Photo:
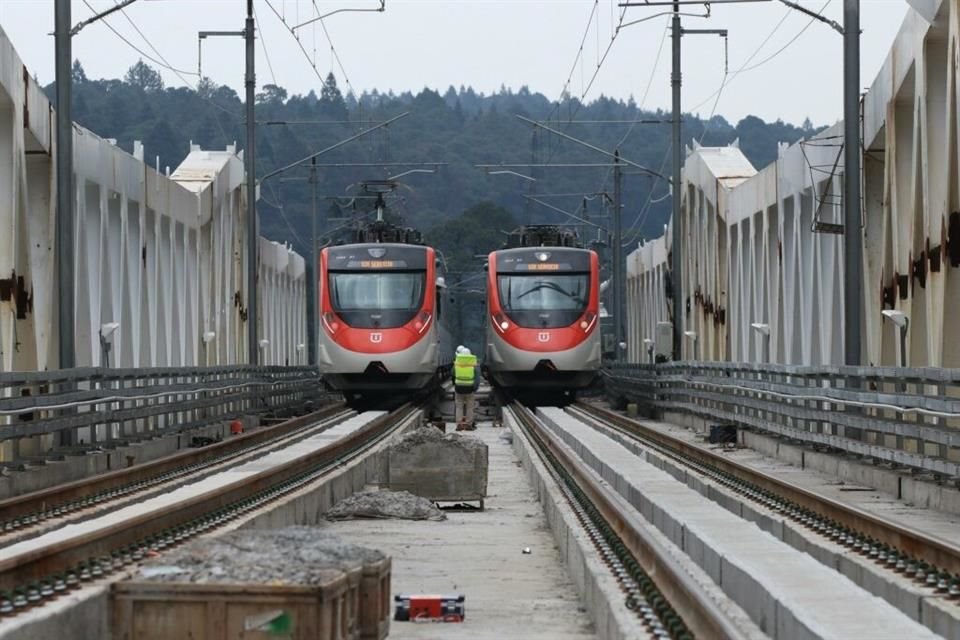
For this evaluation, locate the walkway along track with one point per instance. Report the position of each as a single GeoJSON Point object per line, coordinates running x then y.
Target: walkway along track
{"type": "Point", "coordinates": [655, 585]}
{"type": "Point", "coordinates": [928, 560]}
{"type": "Point", "coordinates": [64, 502]}
{"type": "Point", "coordinates": [28, 578]}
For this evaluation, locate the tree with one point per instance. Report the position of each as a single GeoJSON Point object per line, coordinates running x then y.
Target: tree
{"type": "Point", "coordinates": [331, 100]}
{"type": "Point", "coordinates": [206, 88]}
{"type": "Point", "coordinates": [144, 77]}
{"type": "Point", "coordinates": [272, 94]}
{"type": "Point", "coordinates": [77, 73]}
{"type": "Point", "coordinates": [162, 141]}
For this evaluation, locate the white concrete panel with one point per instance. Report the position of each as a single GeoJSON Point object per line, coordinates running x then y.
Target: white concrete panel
{"type": "Point", "coordinates": [163, 256]}
{"type": "Point", "coordinates": [753, 254]}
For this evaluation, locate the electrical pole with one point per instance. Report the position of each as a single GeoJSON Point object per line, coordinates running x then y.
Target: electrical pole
{"type": "Point", "coordinates": [677, 239]}
{"type": "Point", "coordinates": [676, 82]}
{"type": "Point", "coordinates": [313, 271]}
{"type": "Point", "coordinates": [852, 239]}
{"type": "Point", "coordinates": [618, 284]}
{"type": "Point", "coordinates": [65, 192]}
{"type": "Point", "coordinates": [249, 156]}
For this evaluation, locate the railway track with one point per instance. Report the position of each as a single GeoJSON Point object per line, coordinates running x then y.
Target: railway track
{"type": "Point", "coordinates": [731, 579]}
{"type": "Point", "coordinates": [654, 586]}
{"type": "Point", "coordinates": [926, 559]}
{"type": "Point", "coordinates": [36, 512]}
{"type": "Point", "coordinates": [42, 568]}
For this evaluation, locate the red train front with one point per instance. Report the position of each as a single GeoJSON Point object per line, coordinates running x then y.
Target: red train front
{"type": "Point", "coordinates": [543, 333]}
{"type": "Point", "coordinates": [382, 331]}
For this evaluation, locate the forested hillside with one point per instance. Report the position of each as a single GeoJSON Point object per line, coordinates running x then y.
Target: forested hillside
{"type": "Point", "coordinates": [458, 127]}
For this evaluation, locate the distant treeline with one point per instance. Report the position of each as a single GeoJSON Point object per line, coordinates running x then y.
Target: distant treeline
{"type": "Point", "coordinates": [458, 127]}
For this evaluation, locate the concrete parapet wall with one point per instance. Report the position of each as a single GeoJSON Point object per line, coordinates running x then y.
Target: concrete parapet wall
{"type": "Point", "coordinates": [758, 246]}
{"type": "Point", "coordinates": [161, 254]}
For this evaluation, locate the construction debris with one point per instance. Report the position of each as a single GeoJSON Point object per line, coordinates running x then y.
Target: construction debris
{"type": "Point", "coordinates": [400, 505]}
{"type": "Point", "coordinates": [423, 435]}
{"type": "Point", "coordinates": [291, 556]}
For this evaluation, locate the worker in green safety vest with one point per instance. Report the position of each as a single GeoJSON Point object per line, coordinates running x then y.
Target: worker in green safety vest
{"type": "Point", "coordinates": [465, 383]}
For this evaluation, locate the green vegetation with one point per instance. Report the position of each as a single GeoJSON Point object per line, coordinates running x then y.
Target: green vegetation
{"type": "Point", "coordinates": [460, 128]}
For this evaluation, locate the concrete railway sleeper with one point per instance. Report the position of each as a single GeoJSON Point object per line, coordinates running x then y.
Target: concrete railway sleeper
{"type": "Point", "coordinates": [653, 587]}
{"type": "Point", "coordinates": [927, 560]}
{"type": "Point", "coordinates": [786, 591]}
{"type": "Point", "coordinates": [25, 514]}
{"type": "Point", "coordinates": [908, 557]}
{"type": "Point", "coordinates": [34, 576]}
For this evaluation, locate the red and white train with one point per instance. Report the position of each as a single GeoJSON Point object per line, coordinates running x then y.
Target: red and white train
{"type": "Point", "coordinates": [383, 333]}
{"type": "Point", "coordinates": [543, 325]}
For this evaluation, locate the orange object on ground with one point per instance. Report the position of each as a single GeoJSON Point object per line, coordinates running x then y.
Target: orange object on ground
{"type": "Point", "coordinates": [236, 427]}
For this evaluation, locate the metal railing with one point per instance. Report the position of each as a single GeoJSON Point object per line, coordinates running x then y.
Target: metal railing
{"type": "Point", "coordinates": [902, 416]}
{"type": "Point", "coordinates": [89, 407]}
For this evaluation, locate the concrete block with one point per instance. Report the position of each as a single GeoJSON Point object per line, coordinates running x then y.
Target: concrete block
{"type": "Point", "coordinates": [939, 614]}
{"type": "Point", "coordinates": [749, 594]}
{"type": "Point", "coordinates": [436, 466]}
{"type": "Point", "coordinates": [702, 554]}
{"type": "Point", "coordinates": [729, 501]}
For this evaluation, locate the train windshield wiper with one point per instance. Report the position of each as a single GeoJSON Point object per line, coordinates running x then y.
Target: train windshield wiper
{"type": "Point", "coordinates": [554, 287]}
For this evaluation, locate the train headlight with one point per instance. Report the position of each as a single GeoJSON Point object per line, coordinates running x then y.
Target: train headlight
{"type": "Point", "coordinates": [500, 322]}
{"type": "Point", "coordinates": [504, 325]}
{"type": "Point", "coordinates": [330, 322]}
{"type": "Point", "coordinates": [422, 322]}
{"type": "Point", "coordinates": [589, 318]}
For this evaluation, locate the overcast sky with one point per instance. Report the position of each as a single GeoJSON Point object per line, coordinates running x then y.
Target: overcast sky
{"type": "Point", "coordinates": [486, 44]}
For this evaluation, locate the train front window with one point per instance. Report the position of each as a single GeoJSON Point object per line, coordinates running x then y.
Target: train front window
{"type": "Point", "coordinates": [377, 299]}
{"type": "Point", "coordinates": [544, 301]}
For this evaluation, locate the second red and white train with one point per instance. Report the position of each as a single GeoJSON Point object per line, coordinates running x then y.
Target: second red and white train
{"type": "Point", "coordinates": [543, 333]}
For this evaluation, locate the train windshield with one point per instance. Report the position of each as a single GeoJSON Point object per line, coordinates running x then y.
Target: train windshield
{"type": "Point", "coordinates": [377, 299]}
{"type": "Point", "coordinates": [544, 301]}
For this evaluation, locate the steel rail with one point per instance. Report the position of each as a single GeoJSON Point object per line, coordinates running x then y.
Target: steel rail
{"type": "Point", "coordinates": [701, 614]}
{"type": "Point", "coordinates": [42, 503]}
{"type": "Point", "coordinates": [940, 554]}
{"type": "Point", "coordinates": [46, 562]}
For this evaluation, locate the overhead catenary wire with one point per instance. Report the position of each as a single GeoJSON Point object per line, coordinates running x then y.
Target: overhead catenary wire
{"type": "Point", "coordinates": [596, 71]}
{"type": "Point", "coordinates": [336, 54]}
{"type": "Point", "coordinates": [640, 107]}
{"type": "Point", "coordinates": [278, 205]}
{"type": "Point", "coordinates": [576, 60]}
{"type": "Point", "coordinates": [727, 76]}
{"type": "Point", "coordinates": [637, 224]}
{"type": "Point", "coordinates": [163, 63]}
{"type": "Point", "coordinates": [160, 62]}
{"type": "Point", "coordinates": [744, 69]}
{"type": "Point", "coordinates": [306, 54]}
{"type": "Point", "coordinates": [641, 217]}
{"type": "Point", "coordinates": [266, 50]}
